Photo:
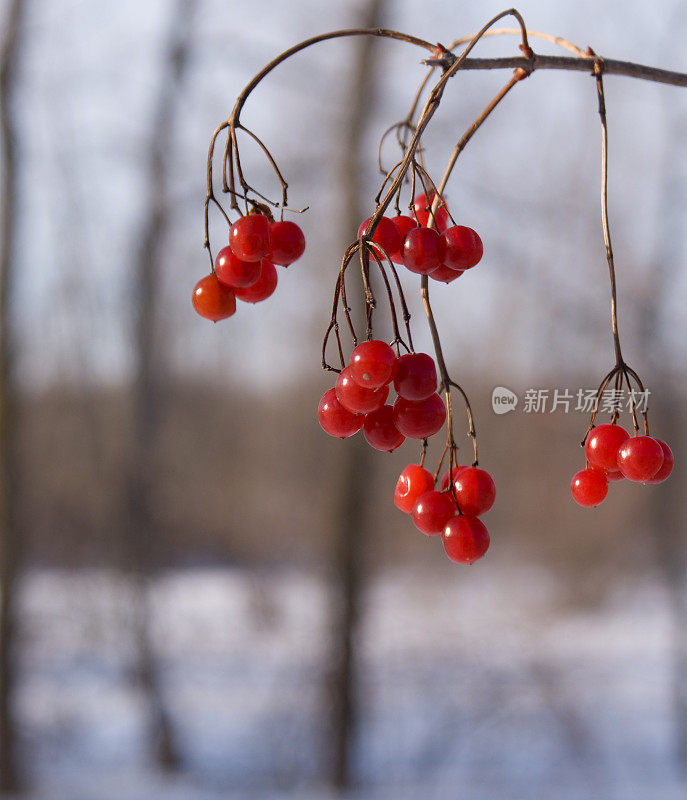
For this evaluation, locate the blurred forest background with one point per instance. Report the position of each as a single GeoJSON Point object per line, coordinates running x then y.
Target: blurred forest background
{"type": "Point", "coordinates": [205, 596]}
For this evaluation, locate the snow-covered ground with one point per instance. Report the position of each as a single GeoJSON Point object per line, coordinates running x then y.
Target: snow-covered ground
{"type": "Point", "coordinates": [477, 686]}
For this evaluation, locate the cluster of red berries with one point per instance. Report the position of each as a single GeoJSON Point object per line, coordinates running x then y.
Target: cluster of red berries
{"type": "Point", "coordinates": [245, 268]}
{"type": "Point", "coordinates": [612, 454]}
{"type": "Point", "coordinates": [452, 512]}
{"type": "Point", "coordinates": [443, 252]}
{"type": "Point", "coordinates": [359, 398]}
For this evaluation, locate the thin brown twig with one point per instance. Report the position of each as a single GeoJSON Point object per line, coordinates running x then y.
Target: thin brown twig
{"type": "Point", "coordinates": [447, 382]}
{"type": "Point", "coordinates": [598, 70]}
{"type": "Point", "coordinates": [621, 370]}
{"type": "Point", "coordinates": [558, 40]}
{"type": "Point", "coordinates": [398, 339]}
{"type": "Point", "coordinates": [270, 158]}
{"type": "Point", "coordinates": [517, 77]}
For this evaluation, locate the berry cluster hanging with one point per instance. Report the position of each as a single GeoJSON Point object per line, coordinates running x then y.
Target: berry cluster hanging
{"type": "Point", "coordinates": [424, 238]}
{"type": "Point", "coordinates": [244, 269]}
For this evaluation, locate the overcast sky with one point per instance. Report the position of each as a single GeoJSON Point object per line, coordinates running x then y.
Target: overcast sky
{"type": "Point", "coordinates": [529, 183]}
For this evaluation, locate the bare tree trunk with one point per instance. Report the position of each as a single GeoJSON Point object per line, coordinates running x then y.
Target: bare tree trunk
{"type": "Point", "coordinates": [9, 533]}
{"type": "Point", "coordinates": [147, 395]}
{"type": "Point", "coordinates": [355, 466]}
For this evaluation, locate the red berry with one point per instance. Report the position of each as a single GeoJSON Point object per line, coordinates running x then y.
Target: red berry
{"type": "Point", "coordinates": [602, 445]}
{"type": "Point", "coordinates": [386, 234]}
{"type": "Point", "coordinates": [380, 431]}
{"type": "Point", "coordinates": [456, 470]}
{"type": "Point", "coordinates": [445, 274]}
{"type": "Point", "coordinates": [249, 237]}
{"type": "Point", "coordinates": [335, 419]}
{"type": "Point", "coordinates": [423, 250]}
{"type": "Point", "coordinates": [589, 487]}
{"type": "Point", "coordinates": [212, 299]}
{"type": "Point", "coordinates": [263, 288]}
{"type": "Point", "coordinates": [475, 491]}
{"type": "Point", "coordinates": [465, 539]}
{"type": "Point", "coordinates": [236, 273]}
{"type": "Point", "coordinates": [413, 482]}
{"type": "Point", "coordinates": [404, 224]}
{"type": "Point", "coordinates": [667, 465]}
{"type": "Point", "coordinates": [287, 242]}
{"type": "Point", "coordinates": [416, 376]}
{"type": "Point", "coordinates": [614, 475]}
{"type": "Point", "coordinates": [640, 458]}
{"type": "Point", "coordinates": [421, 419]}
{"type": "Point", "coordinates": [463, 247]}
{"type": "Point", "coordinates": [356, 398]}
{"type": "Point", "coordinates": [422, 207]}
{"type": "Point", "coordinates": [432, 511]}
{"type": "Point", "coordinates": [373, 364]}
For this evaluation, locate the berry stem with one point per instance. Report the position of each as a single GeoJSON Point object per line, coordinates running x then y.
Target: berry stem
{"type": "Point", "coordinates": [270, 158]}
{"type": "Point", "coordinates": [423, 454]}
{"type": "Point", "coordinates": [446, 383]}
{"type": "Point", "coordinates": [517, 77]}
{"type": "Point", "coordinates": [392, 305]}
{"type": "Point", "coordinates": [598, 70]}
{"type": "Point", "coordinates": [621, 370]}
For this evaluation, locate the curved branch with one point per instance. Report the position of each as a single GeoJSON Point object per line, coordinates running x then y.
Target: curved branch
{"type": "Point", "coordinates": [559, 40]}
{"type": "Point", "coordinates": [383, 33]}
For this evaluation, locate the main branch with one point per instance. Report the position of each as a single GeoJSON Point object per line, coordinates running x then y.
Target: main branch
{"type": "Point", "coordinates": [579, 64]}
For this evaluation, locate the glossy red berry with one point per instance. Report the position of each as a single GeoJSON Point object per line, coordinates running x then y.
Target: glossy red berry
{"type": "Point", "coordinates": [602, 445]}
{"type": "Point", "coordinates": [416, 376]}
{"type": "Point", "coordinates": [249, 237]}
{"type": "Point", "coordinates": [212, 299]}
{"type": "Point", "coordinates": [412, 483]}
{"type": "Point", "coordinates": [380, 430]}
{"type": "Point", "coordinates": [373, 364]}
{"type": "Point", "coordinates": [387, 235]}
{"type": "Point", "coordinates": [589, 487]}
{"type": "Point", "coordinates": [404, 224]}
{"type": "Point", "coordinates": [465, 539]}
{"type": "Point", "coordinates": [445, 274]}
{"type": "Point", "coordinates": [421, 419]}
{"type": "Point", "coordinates": [456, 470]}
{"type": "Point", "coordinates": [463, 247]}
{"type": "Point", "coordinates": [423, 250]}
{"type": "Point", "coordinates": [356, 398]}
{"type": "Point", "coordinates": [335, 419]}
{"type": "Point", "coordinates": [422, 209]}
{"type": "Point", "coordinates": [432, 511]}
{"type": "Point", "coordinates": [287, 242]}
{"type": "Point", "coordinates": [614, 475]}
{"type": "Point", "coordinates": [475, 491]}
{"type": "Point", "coordinates": [233, 272]}
{"type": "Point", "coordinates": [666, 467]}
{"type": "Point", "coordinates": [640, 458]}
{"type": "Point", "coordinates": [264, 286]}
